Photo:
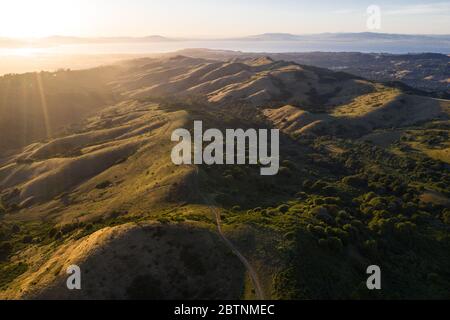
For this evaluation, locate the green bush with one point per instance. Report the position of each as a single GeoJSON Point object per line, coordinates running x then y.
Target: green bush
{"type": "Point", "coordinates": [405, 228]}
{"type": "Point", "coordinates": [370, 247]}
{"type": "Point", "coordinates": [283, 208]}
{"type": "Point", "coordinates": [335, 244]}
{"type": "Point", "coordinates": [103, 185]}
{"type": "Point", "coordinates": [355, 181]}
{"type": "Point", "coordinates": [27, 239]}
{"type": "Point", "coordinates": [5, 250]}
{"type": "Point", "coordinates": [164, 220]}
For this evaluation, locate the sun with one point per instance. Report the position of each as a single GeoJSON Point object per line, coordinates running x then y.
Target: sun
{"type": "Point", "coordinates": [31, 18]}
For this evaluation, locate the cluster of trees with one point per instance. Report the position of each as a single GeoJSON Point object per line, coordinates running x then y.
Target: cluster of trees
{"type": "Point", "coordinates": [350, 209]}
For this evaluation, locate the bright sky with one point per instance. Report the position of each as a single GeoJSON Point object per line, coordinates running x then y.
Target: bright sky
{"type": "Point", "coordinates": [182, 18]}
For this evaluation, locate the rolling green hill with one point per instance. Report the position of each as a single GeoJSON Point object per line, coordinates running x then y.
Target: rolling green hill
{"type": "Point", "coordinates": [363, 180]}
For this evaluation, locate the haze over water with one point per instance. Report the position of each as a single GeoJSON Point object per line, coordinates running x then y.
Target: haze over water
{"type": "Point", "coordinates": [17, 60]}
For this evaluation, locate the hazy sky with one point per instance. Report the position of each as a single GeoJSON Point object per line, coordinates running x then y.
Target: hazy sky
{"type": "Point", "coordinates": [36, 18]}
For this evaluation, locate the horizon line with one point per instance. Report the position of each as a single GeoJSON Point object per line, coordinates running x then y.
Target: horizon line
{"type": "Point", "coordinates": [206, 37]}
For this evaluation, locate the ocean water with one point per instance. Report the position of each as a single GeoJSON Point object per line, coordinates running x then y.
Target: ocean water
{"type": "Point", "coordinates": [247, 46]}
{"type": "Point", "coordinates": [80, 56]}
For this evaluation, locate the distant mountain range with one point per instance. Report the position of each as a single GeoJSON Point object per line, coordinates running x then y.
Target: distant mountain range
{"type": "Point", "coordinates": [362, 36]}
{"type": "Point", "coordinates": [284, 37]}
{"type": "Point", "coordinates": [428, 72]}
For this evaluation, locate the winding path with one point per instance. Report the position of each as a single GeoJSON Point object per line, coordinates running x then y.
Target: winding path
{"type": "Point", "coordinates": [251, 271]}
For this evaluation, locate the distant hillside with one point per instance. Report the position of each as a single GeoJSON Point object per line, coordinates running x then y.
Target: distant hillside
{"type": "Point", "coordinates": [428, 72]}
{"type": "Point", "coordinates": [361, 36]}
{"type": "Point", "coordinates": [53, 102]}
{"type": "Point", "coordinates": [259, 81]}
{"type": "Point", "coordinates": [365, 41]}
{"type": "Point", "coordinates": [36, 106]}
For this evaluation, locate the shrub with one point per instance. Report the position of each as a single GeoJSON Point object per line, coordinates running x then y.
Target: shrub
{"type": "Point", "coordinates": [164, 220]}
{"type": "Point", "coordinates": [5, 250]}
{"type": "Point", "coordinates": [341, 234]}
{"type": "Point", "coordinates": [103, 185]}
{"type": "Point", "coordinates": [301, 195]}
{"type": "Point", "coordinates": [319, 185]}
{"type": "Point", "coordinates": [370, 247]}
{"type": "Point", "coordinates": [335, 244]}
{"type": "Point", "coordinates": [332, 243]}
{"type": "Point", "coordinates": [332, 200]}
{"type": "Point", "coordinates": [351, 230]}
{"type": "Point", "coordinates": [355, 181]}
{"type": "Point", "coordinates": [307, 184]}
{"type": "Point", "coordinates": [322, 213]}
{"type": "Point", "coordinates": [283, 208]}
{"type": "Point", "coordinates": [377, 203]}
{"type": "Point", "coordinates": [27, 239]}
{"type": "Point", "coordinates": [357, 224]}
{"type": "Point", "coordinates": [290, 236]}
{"type": "Point", "coordinates": [369, 196]}
{"type": "Point", "coordinates": [405, 228]}
{"type": "Point", "coordinates": [343, 214]}
{"type": "Point", "coordinates": [318, 230]}
{"type": "Point", "coordinates": [52, 232]}
{"type": "Point", "coordinates": [15, 229]}
{"type": "Point", "coordinates": [68, 228]}
{"type": "Point", "coordinates": [319, 201]}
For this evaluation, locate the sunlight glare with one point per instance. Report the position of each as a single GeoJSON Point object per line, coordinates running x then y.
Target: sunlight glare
{"type": "Point", "coordinates": [30, 19]}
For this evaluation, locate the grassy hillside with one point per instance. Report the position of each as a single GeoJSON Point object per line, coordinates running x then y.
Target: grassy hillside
{"type": "Point", "coordinates": [259, 81]}
{"type": "Point", "coordinates": [363, 180]}
{"type": "Point", "coordinates": [37, 106]}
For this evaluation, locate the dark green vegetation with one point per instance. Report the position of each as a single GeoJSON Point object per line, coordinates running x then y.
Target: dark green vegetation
{"type": "Point", "coordinates": [337, 207]}
{"type": "Point", "coordinates": [361, 207]}
{"type": "Point", "coordinates": [13, 239]}
{"type": "Point", "coordinates": [370, 211]}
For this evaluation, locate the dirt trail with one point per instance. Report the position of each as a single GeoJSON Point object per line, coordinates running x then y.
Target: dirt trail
{"type": "Point", "coordinates": [251, 271]}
